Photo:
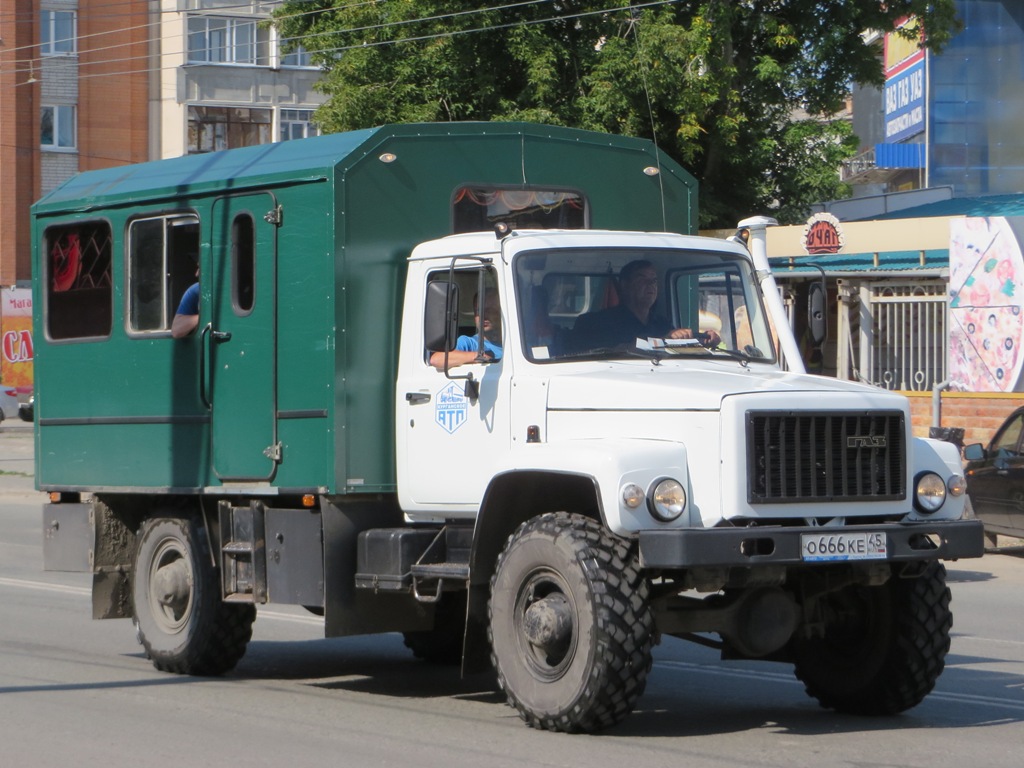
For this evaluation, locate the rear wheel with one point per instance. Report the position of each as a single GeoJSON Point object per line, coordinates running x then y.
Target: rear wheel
{"type": "Point", "coordinates": [570, 624]}
{"type": "Point", "coordinates": [883, 647]}
{"type": "Point", "coordinates": [179, 616]}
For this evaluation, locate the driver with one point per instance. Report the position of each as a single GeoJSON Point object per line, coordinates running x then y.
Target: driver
{"type": "Point", "coordinates": [633, 317]}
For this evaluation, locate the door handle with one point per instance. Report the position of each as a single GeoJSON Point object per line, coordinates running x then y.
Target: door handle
{"type": "Point", "coordinates": [416, 398]}
{"type": "Point", "coordinates": [220, 335]}
{"type": "Point", "coordinates": [203, 384]}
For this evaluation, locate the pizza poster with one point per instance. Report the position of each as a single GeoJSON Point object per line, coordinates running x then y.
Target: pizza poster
{"type": "Point", "coordinates": [986, 304]}
{"type": "Point", "coordinates": [16, 335]}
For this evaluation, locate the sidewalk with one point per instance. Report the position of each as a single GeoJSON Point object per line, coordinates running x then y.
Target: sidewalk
{"type": "Point", "coordinates": [17, 461]}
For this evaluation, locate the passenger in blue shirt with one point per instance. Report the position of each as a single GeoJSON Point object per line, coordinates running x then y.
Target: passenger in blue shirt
{"type": "Point", "coordinates": [187, 317]}
{"type": "Point", "coordinates": [467, 348]}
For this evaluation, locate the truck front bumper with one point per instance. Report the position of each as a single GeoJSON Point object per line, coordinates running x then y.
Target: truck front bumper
{"type": "Point", "coordinates": [781, 545]}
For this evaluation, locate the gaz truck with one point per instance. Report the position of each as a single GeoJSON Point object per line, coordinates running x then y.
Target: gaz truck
{"type": "Point", "coordinates": [549, 507]}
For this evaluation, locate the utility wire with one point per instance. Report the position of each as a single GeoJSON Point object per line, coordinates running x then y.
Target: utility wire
{"type": "Point", "coordinates": [368, 28]}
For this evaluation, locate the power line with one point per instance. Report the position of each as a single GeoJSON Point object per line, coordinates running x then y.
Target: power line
{"type": "Point", "coordinates": [341, 49]}
{"type": "Point", "coordinates": [26, 17]}
{"type": "Point", "coordinates": [217, 13]}
{"type": "Point", "coordinates": [120, 30]}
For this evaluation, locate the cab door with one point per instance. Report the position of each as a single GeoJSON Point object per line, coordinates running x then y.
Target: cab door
{"type": "Point", "coordinates": [451, 438]}
{"type": "Point", "coordinates": [241, 340]}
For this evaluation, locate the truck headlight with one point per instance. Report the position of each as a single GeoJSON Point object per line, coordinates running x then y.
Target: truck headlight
{"type": "Point", "coordinates": [929, 492]}
{"type": "Point", "coordinates": [666, 499]}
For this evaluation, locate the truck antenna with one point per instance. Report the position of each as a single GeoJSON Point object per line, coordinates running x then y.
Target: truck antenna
{"type": "Point", "coordinates": [634, 23]}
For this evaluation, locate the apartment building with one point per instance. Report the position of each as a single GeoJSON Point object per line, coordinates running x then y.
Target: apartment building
{"type": "Point", "coordinates": [97, 83]}
{"type": "Point", "coordinates": [224, 81]}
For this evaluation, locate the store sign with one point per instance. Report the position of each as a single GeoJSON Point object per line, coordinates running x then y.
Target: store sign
{"type": "Point", "coordinates": [904, 85]}
{"type": "Point", "coordinates": [16, 338]}
{"type": "Point", "coordinates": [823, 234]}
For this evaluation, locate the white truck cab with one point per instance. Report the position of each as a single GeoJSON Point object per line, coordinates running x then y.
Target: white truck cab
{"type": "Point", "coordinates": [688, 459]}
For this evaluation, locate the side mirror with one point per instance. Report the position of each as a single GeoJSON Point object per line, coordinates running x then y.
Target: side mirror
{"type": "Point", "coordinates": [974, 452]}
{"type": "Point", "coordinates": [441, 316]}
{"type": "Point", "coordinates": [817, 323]}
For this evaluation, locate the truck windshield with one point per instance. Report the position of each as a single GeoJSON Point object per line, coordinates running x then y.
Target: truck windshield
{"type": "Point", "coordinates": [596, 303]}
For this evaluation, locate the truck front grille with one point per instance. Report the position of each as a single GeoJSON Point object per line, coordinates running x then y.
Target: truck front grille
{"type": "Point", "coordinates": [809, 456]}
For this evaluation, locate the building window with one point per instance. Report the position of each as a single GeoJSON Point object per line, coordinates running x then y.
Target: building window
{"type": "Point", "coordinates": [211, 129]}
{"type": "Point", "coordinates": [219, 40]}
{"type": "Point", "coordinates": [57, 33]}
{"type": "Point", "coordinates": [299, 57]}
{"type": "Point", "coordinates": [297, 124]}
{"type": "Point", "coordinates": [79, 298]}
{"type": "Point", "coordinates": [57, 127]}
{"type": "Point", "coordinates": [163, 256]}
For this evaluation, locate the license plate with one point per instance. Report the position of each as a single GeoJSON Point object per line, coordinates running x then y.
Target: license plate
{"type": "Point", "coordinates": [862, 545]}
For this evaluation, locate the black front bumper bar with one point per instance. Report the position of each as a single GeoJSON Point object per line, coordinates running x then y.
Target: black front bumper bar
{"type": "Point", "coordinates": [781, 545]}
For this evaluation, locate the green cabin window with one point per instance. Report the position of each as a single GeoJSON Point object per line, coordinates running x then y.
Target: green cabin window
{"type": "Point", "coordinates": [79, 297]}
{"type": "Point", "coordinates": [478, 209]}
{"type": "Point", "coordinates": [243, 258]}
{"type": "Point", "coordinates": [163, 254]}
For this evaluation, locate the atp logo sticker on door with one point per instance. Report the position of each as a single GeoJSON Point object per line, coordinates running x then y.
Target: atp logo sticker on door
{"type": "Point", "coordinates": [451, 408]}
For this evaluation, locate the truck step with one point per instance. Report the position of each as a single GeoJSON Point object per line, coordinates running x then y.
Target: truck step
{"type": "Point", "coordinates": [440, 570]}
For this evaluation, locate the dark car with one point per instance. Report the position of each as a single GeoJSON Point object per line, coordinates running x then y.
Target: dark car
{"type": "Point", "coordinates": [26, 410]}
{"type": "Point", "coordinates": [995, 478]}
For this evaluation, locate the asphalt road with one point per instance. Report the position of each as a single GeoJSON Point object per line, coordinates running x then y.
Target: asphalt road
{"type": "Point", "coordinates": [77, 692]}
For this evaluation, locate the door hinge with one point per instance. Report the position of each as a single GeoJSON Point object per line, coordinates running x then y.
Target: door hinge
{"type": "Point", "coordinates": [274, 216]}
{"type": "Point", "coordinates": [273, 452]}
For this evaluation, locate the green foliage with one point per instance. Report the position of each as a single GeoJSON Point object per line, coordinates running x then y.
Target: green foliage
{"type": "Point", "coordinates": [724, 86]}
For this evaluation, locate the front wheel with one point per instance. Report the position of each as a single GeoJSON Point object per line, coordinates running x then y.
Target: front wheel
{"type": "Point", "coordinates": [570, 624]}
{"type": "Point", "coordinates": [882, 648]}
{"type": "Point", "coordinates": [179, 616]}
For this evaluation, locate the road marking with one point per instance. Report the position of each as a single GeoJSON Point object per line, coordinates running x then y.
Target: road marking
{"type": "Point", "coordinates": [45, 586]}
{"type": "Point", "coordinates": [678, 666]}
{"type": "Point", "coordinates": [789, 679]}
{"type": "Point", "coordinates": [67, 589]}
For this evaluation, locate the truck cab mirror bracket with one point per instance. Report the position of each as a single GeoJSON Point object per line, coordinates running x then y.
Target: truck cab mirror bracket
{"type": "Point", "coordinates": [817, 318]}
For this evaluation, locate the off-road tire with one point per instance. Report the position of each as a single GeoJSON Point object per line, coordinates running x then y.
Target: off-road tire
{"type": "Point", "coordinates": [883, 648]}
{"type": "Point", "coordinates": [443, 643]}
{"type": "Point", "coordinates": [591, 677]}
{"type": "Point", "coordinates": [179, 616]}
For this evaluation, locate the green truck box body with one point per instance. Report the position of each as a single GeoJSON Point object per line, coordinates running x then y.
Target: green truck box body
{"type": "Point", "coordinates": [301, 396]}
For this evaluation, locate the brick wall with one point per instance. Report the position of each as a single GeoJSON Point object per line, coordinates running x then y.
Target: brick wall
{"type": "Point", "coordinates": [978, 414]}
{"type": "Point", "coordinates": [19, 136]}
{"type": "Point", "coordinates": [113, 95]}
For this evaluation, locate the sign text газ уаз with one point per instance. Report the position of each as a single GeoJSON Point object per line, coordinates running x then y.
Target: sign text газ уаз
{"type": "Point", "coordinates": [904, 103]}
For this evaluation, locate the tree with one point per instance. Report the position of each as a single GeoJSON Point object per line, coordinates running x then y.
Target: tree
{"type": "Point", "coordinates": [718, 84]}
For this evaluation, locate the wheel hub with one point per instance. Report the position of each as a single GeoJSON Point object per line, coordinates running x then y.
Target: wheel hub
{"type": "Point", "coordinates": [547, 624]}
{"type": "Point", "coordinates": [172, 587]}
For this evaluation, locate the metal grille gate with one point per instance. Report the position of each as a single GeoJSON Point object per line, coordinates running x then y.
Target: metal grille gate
{"type": "Point", "coordinates": [894, 334]}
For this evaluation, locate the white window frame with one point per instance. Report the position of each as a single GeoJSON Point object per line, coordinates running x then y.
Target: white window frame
{"type": "Point", "coordinates": [201, 46]}
{"type": "Point", "coordinates": [60, 114]}
{"type": "Point", "coordinates": [48, 40]}
{"type": "Point", "coordinates": [299, 58]}
{"type": "Point", "coordinates": [289, 118]}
